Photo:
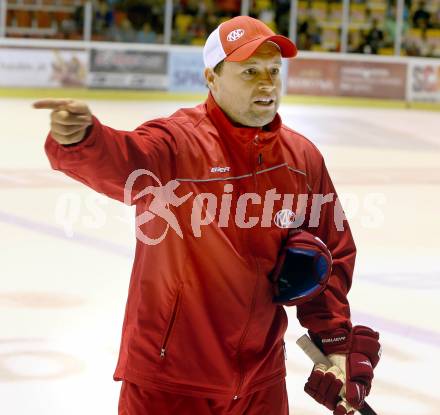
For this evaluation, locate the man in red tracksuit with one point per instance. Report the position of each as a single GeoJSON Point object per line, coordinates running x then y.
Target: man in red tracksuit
{"type": "Point", "coordinates": [213, 186]}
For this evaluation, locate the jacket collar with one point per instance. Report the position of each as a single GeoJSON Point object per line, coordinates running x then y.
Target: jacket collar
{"type": "Point", "coordinates": [240, 133]}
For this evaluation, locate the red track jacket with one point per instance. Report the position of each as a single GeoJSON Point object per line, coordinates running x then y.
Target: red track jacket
{"type": "Point", "coordinates": [199, 318]}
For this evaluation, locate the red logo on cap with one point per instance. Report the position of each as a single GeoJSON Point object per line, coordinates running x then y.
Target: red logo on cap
{"type": "Point", "coordinates": [235, 35]}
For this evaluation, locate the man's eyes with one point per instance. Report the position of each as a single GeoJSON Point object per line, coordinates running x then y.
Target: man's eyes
{"type": "Point", "coordinates": [253, 71]}
{"type": "Point", "coordinates": [250, 71]}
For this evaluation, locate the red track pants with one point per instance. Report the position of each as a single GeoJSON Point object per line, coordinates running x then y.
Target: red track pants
{"type": "Point", "coordinates": [134, 400]}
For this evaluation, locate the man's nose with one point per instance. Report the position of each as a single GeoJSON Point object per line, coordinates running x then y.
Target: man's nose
{"type": "Point", "coordinates": [267, 81]}
{"type": "Point", "coordinates": [267, 86]}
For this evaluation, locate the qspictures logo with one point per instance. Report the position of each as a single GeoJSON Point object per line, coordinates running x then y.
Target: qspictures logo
{"type": "Point", "coordinates": [208, 208]}
{"type": "Point", "coordinates": [191, 213]}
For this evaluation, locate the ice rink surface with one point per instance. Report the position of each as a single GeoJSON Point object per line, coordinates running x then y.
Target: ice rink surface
{"type": "Point", "coordinates": [66, 254]}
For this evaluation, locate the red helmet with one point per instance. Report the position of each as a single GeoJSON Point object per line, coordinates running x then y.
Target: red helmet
{"type": "Point", "coordinates": [303, 268]}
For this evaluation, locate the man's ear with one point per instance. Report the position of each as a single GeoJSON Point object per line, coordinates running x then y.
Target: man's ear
{"type": "Point", "coordinates": [210, 77]}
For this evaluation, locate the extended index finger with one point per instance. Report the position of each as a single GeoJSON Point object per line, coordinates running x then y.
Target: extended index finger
{"type": "Point", "coordinates": [51, 104]}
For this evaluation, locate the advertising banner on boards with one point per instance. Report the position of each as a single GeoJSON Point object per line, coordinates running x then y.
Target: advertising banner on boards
{"type": "Point", "coordinates": [128, 69]}
{"type": "Point", "coordinates": [42, 68]}
{"type": "Point", "coordinates": [367, 79]}
{"type": "Point", "coordinates": [186, 71]}
{"type": "Point", "coordinates": [424, 81]}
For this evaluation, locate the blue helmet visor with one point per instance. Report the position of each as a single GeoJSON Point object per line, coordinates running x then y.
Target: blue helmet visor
{"type": "Point", "coordinates": [302, 276]}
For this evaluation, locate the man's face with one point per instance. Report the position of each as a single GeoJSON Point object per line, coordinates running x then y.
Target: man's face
{"type": "Point", "coordinates": [249, 91]}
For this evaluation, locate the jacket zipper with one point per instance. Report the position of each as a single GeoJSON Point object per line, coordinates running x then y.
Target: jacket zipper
{"type": "Point", "coordinates": [243, 336]}
{"type": "Point", "coordinates": [170, 324]}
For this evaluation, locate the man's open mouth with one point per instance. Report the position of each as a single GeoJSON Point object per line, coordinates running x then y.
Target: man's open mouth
{"type": "Point", "coordinates": [266, 102]}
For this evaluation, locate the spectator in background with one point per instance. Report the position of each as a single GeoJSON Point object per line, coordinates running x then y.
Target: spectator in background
{"type": "Point", "coordinates": [427, 49]}
{"type": "Point", "coordinates": [411, 46]}
{"type": "Point", "coordinates": [124, 32]}
{"type": "Point", "coordinates": [103, 19]}
{"type": "Point", "coordinates": [421, 16]}
{"type": "Point", "coordinates": [198, 30]}
{"type": "Point", "coordinates": [391, 25]}
{"type": "Point", "coordinates": [138, 13]}
{"type": "Point", "coordinates": [143, 22]}
{"type": "Point", "coordinates": [282, 14]}
{"type": "Point", "coordinates": [420, 46]}
{"type": "Point", "coordinates": [181, 25]}
{"type": "Point", "coordinates": [193, 20]}
{"type": "Point", "coordinates": [78, 17]}
{"type": "Point", "coordinates": [146, 35]}
{"type": "Point", "coordinates": [309, 33]}
{"type": "Point", "coordinates": [374, 38]}
{"type": "Point", "coordinates": [68, 27]}
{"type": "Point", "coordinates": [303, 42]}
{"type": "Point", "coordinates": [363, 46]}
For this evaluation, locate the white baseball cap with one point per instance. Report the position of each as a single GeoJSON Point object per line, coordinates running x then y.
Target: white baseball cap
{"type": "Point", "coordinates": [237, 39]}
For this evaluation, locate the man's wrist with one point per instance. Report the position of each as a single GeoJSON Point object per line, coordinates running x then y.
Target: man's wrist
{"type": "Point", "coordinates": [86, 135]}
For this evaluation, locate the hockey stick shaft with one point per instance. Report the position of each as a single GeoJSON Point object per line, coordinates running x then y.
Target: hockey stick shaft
{"type": "Point", "coordinates": [311, 350]}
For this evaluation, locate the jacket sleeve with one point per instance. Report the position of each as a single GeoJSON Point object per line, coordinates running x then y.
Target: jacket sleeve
{"type": "Point", "coordinates": [106, 157]}
{"type": "Point", "coordinates": [330, 309]}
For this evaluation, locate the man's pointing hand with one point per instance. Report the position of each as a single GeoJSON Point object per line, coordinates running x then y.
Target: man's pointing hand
{"type": "Point", "coordinates": [69, 119]}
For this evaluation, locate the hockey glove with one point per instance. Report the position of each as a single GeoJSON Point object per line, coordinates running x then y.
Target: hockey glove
{"type": "Point", "coordinates": [343, 387]}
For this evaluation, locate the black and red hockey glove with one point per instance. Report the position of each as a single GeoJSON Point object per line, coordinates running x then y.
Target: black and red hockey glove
{"type": "Point", "coordinates": [354, 353]}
